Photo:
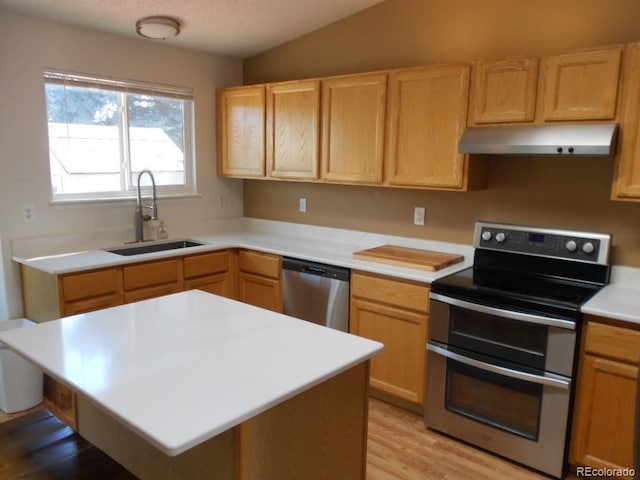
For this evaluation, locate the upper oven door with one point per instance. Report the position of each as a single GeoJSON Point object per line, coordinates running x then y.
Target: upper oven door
{"type": "Point", "coordinates": [534, 341]}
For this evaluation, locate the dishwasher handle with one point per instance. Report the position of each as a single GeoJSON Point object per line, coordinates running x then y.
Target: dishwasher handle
{"type": "Point", "coordinates": [315, 268]}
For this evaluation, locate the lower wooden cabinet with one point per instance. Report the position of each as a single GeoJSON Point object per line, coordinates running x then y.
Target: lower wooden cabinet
{"type": "Point", "coordinates": [604, 415]}
{"type": "Point", "coordinates": [394, 312]}
{"type": "Point", "coordinates": [212, 272]}
{"type": "Point", "coordinates": [152, 279]}
{"type": "Point", "coordinates": [259, 279]}
{"type": "Point", "coordinates": [88, 291]}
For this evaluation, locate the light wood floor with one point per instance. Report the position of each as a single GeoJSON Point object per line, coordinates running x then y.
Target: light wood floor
{"type": "Point", "coordinates": [401, 448]}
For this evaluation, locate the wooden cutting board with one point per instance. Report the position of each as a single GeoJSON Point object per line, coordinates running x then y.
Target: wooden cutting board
{"type": "Point", "coordinates": [409, 257]}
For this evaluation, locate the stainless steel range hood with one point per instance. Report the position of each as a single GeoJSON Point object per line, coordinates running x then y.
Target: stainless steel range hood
{"type": "Point", "coordinates": [582, 140]}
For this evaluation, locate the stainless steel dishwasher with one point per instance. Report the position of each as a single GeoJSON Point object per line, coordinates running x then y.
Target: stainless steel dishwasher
{"type": "Point", "coordinates": [316, 292]}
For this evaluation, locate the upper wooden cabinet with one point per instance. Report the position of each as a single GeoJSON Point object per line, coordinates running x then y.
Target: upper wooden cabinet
{"type": "Point", "coordinates": [353, 126]}
{"type": "Point", "coordinates": [576, 86]}
{"type": "Point", "coordinates": [427, 115]}
{"type": "Point", "coordinates": [504, 91]}
{"type": "Point", "coordinates": [400, 128]}
{"type": "Point", "coordinates": [626, 182]}
{"type": "Point", "coordinates": [293, 130]}
{"type": "Point", "coordinates": [241, 132]}
{"type": "Point", "coordinates": [582, 85]}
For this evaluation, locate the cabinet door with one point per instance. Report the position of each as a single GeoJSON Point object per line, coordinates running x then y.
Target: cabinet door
{"type": "Point", "coordinates": [428, 115]}
{"type": "Point", "coordinates": [241, 132]}
{"type": "Point", "coordinates": [210, 272]}
{"type": "Point", "coordinates": [259, 279]}
{"type": "Point", "coordinates": [504, 91]}
{"type": "Point", "coordinates": [219, 284]}
{"type": "Point", "coordinates": [626, 183]}
{"type": "Point", "coordinates": [582, 85]}
{"type": "Point", "coordinates": [89, 291]}
{"type": "Point", "coordinates": [394, 312]}
{"type": "Point", "coordinates": [152, 279]}
{"type": "Point", "coordinates": [293, 130]}
{"type": "Point", "coordinates": [260, 291]}
{"type": "Point", "coordinates": [353, 124]}
{"type": "Point", "coordinates": [399, 369]}
{"type": "Point", "coordinates": [605, 414]}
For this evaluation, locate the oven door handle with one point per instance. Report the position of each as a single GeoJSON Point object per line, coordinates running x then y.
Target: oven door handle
{"type": "Point", "coordinates": [499, 312]}
{"type": "Point", "coordinates": [547, 379]}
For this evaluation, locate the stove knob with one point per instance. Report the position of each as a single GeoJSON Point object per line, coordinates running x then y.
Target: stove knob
{"type": "Point", "coordinates": [588, 248]}
{"type": "Point", "coordinates": [500, 237]}
{"type": "Point", "coordinates": [571, 245]}
{"type": "Point", "coordinates": [486, 235]}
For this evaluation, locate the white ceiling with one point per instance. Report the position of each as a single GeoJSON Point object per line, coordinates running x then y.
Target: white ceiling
{"type": "Point", "coordinates": [239, 28]}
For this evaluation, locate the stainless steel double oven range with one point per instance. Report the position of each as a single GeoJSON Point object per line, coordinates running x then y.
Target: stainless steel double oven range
{"type": "Point", "coordinates": [503, 341]}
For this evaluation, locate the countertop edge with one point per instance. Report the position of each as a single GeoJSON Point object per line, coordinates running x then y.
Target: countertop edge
{"type": "Point", "coordinates": [330, 252]}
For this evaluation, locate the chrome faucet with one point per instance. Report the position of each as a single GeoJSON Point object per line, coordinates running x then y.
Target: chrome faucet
{"type": "Point", "coordinates": [140, 218]}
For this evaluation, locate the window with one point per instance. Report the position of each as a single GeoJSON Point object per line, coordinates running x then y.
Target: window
{"type": "Point", "coordinates": [104, 132]}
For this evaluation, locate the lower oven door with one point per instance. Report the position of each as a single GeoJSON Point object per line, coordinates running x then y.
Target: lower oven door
{"type": "Point", "coordinates": [522, 415]}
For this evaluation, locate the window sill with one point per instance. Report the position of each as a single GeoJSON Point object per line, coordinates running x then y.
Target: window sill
{"type": "Point", "coordinates": [121, 199]}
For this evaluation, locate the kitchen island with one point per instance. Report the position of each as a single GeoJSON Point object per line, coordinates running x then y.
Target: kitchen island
{"type": "Point", "coordinates": [194, 385]}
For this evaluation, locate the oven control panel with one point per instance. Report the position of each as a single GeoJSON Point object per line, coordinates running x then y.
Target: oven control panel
{"type": "Point", "coordinates": [565, 244]}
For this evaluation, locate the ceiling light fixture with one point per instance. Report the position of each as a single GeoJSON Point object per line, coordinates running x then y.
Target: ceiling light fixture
{"type": "Point", "coordinates": [158, 27]}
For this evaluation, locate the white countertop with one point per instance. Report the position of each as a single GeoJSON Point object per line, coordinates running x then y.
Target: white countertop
{"type": "Point", "coordinates": [319, 244]}
{"type": "Point", "coordinates": [619, 300]}
{"type": "Point", "coordinates": [180, 369]}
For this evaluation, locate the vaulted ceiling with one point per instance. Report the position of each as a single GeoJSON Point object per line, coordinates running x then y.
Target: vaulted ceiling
{"type": "Point", "coordinates": [239, 28]}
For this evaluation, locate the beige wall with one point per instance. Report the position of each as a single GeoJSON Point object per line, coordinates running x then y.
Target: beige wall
{"type": "Point", "coordinates": [29, 45]}
{"type": "Point", "coordinates": [549, 191]}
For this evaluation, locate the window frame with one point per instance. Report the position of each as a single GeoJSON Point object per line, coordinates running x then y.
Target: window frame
{"type": "Point", "coordinates": [122, 88]}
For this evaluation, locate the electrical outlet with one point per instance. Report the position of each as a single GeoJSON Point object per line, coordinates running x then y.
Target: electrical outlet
{"type": "Point", "coordinates": [28, 213]}
{"type": "Point", "coordinates": [418, 216]}
{"type": "Point", "coordinates": [302, 205]}
{"type": "Point", "coordinates": [225, 200]}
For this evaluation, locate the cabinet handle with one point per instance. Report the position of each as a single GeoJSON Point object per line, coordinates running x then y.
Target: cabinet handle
{"type": "Point", "coordinates": [545, 379]}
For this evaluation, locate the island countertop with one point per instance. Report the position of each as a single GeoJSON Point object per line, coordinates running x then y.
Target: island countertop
{"type": "Point", "coordinates": [181, 369]}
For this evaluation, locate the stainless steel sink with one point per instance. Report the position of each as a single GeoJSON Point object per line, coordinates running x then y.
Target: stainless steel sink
{"type": "Point", "coordinates": [153, 247]}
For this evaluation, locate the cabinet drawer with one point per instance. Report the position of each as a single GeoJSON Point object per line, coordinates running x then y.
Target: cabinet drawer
{"type": "Point", "coordinates": [91, 284]}
{"type": "Point", "coordinates": [405, 294]}
{"type": "Point", "coordinates": [151, 292]}
{"type": "Point", "coordinates": [91, 304]}
{"type": "Point", "coordinates": [152, 273]}
{"type": "Point", "coordinates": [613, 342]}
{"type": "Point", "coordinates": [207, 264]}
{"type": "Point", "coordinates": [259, 263]}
